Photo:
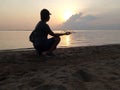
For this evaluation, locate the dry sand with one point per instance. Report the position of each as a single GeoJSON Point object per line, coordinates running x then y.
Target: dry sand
{"type": "Point", "coordinates": [79, 68]}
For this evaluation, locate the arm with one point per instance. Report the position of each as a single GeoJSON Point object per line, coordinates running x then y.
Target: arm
{"type": "Point", "coordinates": [56, 34]}
{"type": "Point", "coordinates": [59, 34]}
{"type": "Point", "coordinates": [66, 33]}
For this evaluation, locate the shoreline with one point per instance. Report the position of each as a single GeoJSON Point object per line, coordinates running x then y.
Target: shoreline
{"type": "Point", "coordinates": [75, 68]}
{"type": "Point", "coordinates": [31, 48]}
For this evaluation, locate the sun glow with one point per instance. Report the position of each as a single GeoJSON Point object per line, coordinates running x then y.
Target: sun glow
{"type": "Point", "coordinates": [67, 15]}
{"type": "Point", "coordinates": [66, 40]}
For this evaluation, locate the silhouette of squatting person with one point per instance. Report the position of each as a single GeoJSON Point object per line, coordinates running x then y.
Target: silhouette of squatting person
{"type": "Point", "coordinates": [39, 36]}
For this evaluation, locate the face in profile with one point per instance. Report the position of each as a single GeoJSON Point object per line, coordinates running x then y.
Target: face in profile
{"type": "Point", "coordinates": [48, 18]}
{"type": "Point", "coordinates": [45, 15]}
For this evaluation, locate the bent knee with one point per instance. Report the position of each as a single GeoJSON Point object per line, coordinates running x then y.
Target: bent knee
{"type": "Point", "coordinates": [57, 39]}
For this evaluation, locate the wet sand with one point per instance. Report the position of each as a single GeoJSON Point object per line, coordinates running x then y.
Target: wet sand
{"type": "Point", "coordinates": [78, 68]}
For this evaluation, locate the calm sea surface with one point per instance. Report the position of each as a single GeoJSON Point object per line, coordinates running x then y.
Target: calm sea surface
{"type": "Point", "coordinates": [19, 39]}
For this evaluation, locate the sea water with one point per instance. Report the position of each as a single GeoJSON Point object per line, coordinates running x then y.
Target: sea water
{"type": "Point", "coordinates": [20, 39]}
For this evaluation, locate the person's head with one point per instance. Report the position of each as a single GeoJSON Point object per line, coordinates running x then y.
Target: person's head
{"type": "Point", "coordinates": [45, 15]}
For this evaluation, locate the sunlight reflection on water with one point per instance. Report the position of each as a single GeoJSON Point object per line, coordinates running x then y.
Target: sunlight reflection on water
{"type": "Point", "coordinates": [65, 41]}
{"type": "Point", "coordinates": [19, 39]}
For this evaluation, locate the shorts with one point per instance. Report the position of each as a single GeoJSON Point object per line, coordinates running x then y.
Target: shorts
{"type": "Point", "coordinates": [45, 45]}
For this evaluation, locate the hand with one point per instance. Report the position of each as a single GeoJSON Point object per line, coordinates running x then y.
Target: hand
{"type": "Point", "coordinates": [67, 33]}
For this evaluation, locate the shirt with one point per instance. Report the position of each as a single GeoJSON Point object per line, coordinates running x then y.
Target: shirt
{"type": "Point", "coordinates": [41, 33]}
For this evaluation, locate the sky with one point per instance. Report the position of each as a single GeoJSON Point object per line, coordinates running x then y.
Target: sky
{"type": "Point", "coordinates": [66, 14]}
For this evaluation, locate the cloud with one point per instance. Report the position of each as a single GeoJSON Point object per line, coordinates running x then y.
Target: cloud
{"type": "Point", "coordinates": [80, 21]}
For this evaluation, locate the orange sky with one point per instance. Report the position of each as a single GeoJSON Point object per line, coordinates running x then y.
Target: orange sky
{"type": "Point", "coordinates": [24, 14]}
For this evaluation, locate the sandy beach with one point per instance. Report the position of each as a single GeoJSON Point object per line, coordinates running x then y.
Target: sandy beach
{"type": "Point", "coordinates": [77, 68]}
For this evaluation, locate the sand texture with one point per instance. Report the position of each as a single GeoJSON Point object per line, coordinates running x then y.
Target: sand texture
{"type": "Point", "coordinates": [78, 68]}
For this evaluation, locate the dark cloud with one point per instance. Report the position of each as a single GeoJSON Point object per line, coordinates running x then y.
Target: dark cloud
{"type": "Point", "coordinates": [80, 21]}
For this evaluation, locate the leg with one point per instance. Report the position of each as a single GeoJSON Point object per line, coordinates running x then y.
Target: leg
{"type": "Point", "coordinates": [54, 45]}
{"type": "Point", "coordinates": [48, 46]}
{"type": "Point", "coordinates": [38, 49]}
